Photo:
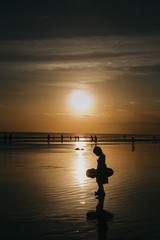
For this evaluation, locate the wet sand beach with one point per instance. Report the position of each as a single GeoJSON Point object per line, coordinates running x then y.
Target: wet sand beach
{"type": "Point", "coordinates": [45, 193]}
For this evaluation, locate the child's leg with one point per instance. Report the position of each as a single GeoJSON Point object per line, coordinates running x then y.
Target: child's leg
{"type": "Point", "coordinates": [101, 189]}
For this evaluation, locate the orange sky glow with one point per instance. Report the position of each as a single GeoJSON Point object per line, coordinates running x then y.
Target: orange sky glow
{"type": "Point", "coordinates": [115, 61]}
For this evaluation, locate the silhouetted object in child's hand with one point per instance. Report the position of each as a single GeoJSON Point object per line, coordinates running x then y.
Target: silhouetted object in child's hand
{"type": "Point", "coordinates": [91, 173]}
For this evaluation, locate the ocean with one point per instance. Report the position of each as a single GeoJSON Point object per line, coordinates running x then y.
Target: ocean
{"type": "Point", "coordinates": [45, 193]}
{"type": "Point", "coordinates": [72, 137]}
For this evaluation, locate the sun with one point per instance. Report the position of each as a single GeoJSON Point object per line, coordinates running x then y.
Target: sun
{"type": "Point", "coordinates": [80, 101]}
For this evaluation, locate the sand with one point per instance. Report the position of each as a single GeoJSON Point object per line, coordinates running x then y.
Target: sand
{"type": "Point", "coordinates": [45, 193]}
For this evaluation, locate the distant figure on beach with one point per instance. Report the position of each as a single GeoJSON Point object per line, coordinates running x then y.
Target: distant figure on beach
{"type": "Point", "coordinates": [91, 138]}
{"type": "Point", "coordinates": [10, 138]}
{"type": "Point", "coordinates": [133, 147]}
{"type": "Point", "coordinates": [61, 137]}
{"type": "Point", "coordinates": [154, 139]}
{"type": "Point", "coordinates": [5, 138]}
{"type": "Point", "coordinates": [95, 139]}
{"type": "Point", "coordinates": [48, 138]}
{"type": "Point", "coordinates": [101, 167]}
{"type": "Point", "coordinates": [133, 140]}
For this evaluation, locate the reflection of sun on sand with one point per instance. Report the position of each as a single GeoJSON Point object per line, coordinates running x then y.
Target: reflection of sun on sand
{"type": "Point", "coordinates": [80, 165]}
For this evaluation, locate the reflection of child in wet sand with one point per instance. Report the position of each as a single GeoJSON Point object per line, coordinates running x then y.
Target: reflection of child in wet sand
{"type": "Point", "coordinates": [100, 173]}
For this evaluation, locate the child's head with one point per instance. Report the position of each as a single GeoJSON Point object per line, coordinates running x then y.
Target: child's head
{"type": "Point", "coordinates": [98, 151]}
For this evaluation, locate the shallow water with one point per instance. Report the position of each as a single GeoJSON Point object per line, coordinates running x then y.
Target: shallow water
{"type": "Point", "coordinates": [45, 193]}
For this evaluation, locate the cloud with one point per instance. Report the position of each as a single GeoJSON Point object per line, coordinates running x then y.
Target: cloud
{"type": "Point", "coordinates": [157, 100]}
{"type": "Point", "coordinates": [122, 110]}
{"type": "Point", "coordinates": [2, 105]}
{"type": "Point", "coordinates": [47, 114]}
{"type": "Point", "coordinates": [71, 85]}
{"type": "Point", "coordinates": [112, 55]}
{"type": "Point", "coordinates": [64, 18]}
{"type": "Point", "coordinates": [133, 102]}
{"type": "Point", "coordinates": [90, 115]}
{"type": "Point", "coordinates": [153, 117]}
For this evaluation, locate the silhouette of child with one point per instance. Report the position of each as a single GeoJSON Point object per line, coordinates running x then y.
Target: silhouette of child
{"type": "Point", "coordinates": [101, 173]}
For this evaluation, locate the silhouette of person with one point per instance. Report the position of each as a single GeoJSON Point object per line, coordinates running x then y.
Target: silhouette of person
{"type": "Point", "coordinates": [10, 137]}
{"type": "Point", "coordinates": [48, 138]}
{"type": "Point", "coordinates": [133, 147]}
{"type": "Point", "coordinates": [100, 173]}
{"type": "Point", "coordinates": [91, 138]}
{"type": "Point", "coordinates": [133, 140]}
{"type": "Point", "coordinates": [154, 139]}
{"type": "Point", "coordinates": [61, 137]}
{"type": "Point", "coordinates": [102, 217]}
{"type": "Point", "coordinates": [95, 139]}
{"type": "Point", "coordinates": [5, 138]}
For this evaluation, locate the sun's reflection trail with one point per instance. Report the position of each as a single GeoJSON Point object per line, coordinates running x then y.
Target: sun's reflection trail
{"type": "Point", "coordinates": [80, 164]}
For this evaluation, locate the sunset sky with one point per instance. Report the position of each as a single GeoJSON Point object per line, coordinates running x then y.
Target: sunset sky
{"type": "Point", "coordinates": [108, 49]}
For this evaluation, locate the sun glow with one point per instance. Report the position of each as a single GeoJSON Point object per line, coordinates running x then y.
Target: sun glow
{"type": "Point", "coordinates": [80, 101]}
